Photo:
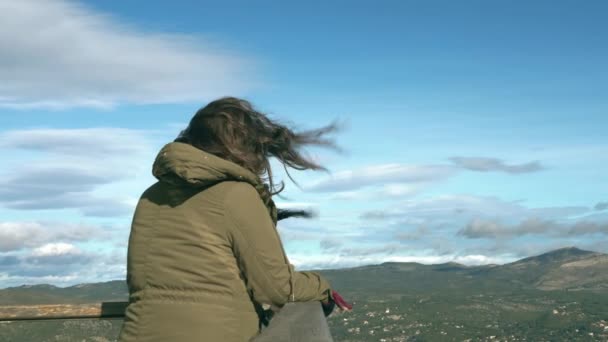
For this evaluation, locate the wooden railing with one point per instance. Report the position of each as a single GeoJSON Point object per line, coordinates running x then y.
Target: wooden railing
{"type": "Point", "coordinates": [296, 322]}
{"type": "Point", "coordinates": [62, 311]}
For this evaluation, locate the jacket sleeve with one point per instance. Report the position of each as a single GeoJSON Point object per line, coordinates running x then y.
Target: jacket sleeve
{"type": "Point", "coordinates": [269, 277]}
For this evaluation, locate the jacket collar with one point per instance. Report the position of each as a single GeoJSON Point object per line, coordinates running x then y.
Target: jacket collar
{"type": "Point", "coordinates": [183, 164]}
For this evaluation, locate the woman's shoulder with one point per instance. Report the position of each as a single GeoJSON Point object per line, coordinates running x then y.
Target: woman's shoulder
{"type": "Point", "coordinates": [229, 193]}
{"type": "Point", "coordinates": [237, 191]}
{"type": "Point", "coordinates": [242, 202]}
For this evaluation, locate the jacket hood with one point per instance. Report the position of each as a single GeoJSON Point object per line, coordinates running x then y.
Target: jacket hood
{"type": "Point", "coordinates": [185, 165]}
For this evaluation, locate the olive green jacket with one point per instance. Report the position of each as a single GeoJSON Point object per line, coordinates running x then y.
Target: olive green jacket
{"type": "Point", "coordinates": [204, 254]}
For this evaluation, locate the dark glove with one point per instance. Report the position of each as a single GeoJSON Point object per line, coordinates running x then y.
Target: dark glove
{"type": "Point", "coordinates": [328, 306]}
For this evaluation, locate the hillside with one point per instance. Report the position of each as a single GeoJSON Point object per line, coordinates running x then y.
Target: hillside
{"type": "Point", "coordinates": [561, 269]}
{"type": "Point", "coordinates": [49, 294]}
{"type": "Point", "coordinates": [561, 295]}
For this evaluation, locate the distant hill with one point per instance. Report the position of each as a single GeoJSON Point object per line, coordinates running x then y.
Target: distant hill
{"type": "Point", "coordinates": [48, 294]}
{"type": "Point", "coordinates": [562, 269]}
{"type": "Point", "coordinates": [561, 295]}
{"type": "Point", "coordinates": [578, 270]}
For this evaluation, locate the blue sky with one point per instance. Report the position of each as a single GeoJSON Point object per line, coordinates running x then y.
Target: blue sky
{"type": "Point", "coordinates": [474, 130]}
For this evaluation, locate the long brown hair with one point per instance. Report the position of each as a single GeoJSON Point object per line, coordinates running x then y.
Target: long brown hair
{"type": "Point", "coordinates": [232, 129]}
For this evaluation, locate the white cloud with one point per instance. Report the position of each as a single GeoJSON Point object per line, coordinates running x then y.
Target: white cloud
{"type": "Point", "coordinates": [297, 205]}
{"type": "Point", "coordinates": [484, 164]}
{"type": "Point", "coordinates": [66, 168]}
{"type": "Point", "coordinates": [494, 228]}
{"type": "Point", "coordinates": [379, 175]}
{"type": "Point", "coordinates": [473, 259]}
{"type": "Point", "coordinates": [61, 263]}
{"type": "Point", "coordinates": [400, 190]}
{"type": "Point", "coordinates": [294, 229]}
{"type": "Point", "coordinates": [93, 143]}
{"type": "Point", "coordinates": [16, 236]}
{"type": "Point", "coordinates": [8, 280]}
{"type": "Point", "coordinates": [601, 206]}
{"type": "Point", "coordinates": [382, 192]}
{"type": "Point", "coordinates": [449, 206]}
{"type": "Point", "coordinates": [402, 180]}
{"type": "Point", "coordinates": [458, 207]}
{"type": "Point", "coordinates": [329, 261]}
{"type": "Point", "coordinates": [491, 229]}
{"type": "Point", "coordinates": [59, 53]}
{"type": "Point", "coordinates": [55, 249]}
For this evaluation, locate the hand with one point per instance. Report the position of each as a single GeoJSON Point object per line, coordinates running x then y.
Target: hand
{"type": "Point", "coordinates": [340, 302]}
{"type": "Point", "coordinates": [335, 300]}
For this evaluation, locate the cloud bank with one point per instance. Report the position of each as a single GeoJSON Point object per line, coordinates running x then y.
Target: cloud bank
{"type": "Point", "coordinates": [65, 168]}
{"type": "Point", "coordinates": [59, 253]}
{"type": "Point", "coordinates": [491, 229]}
{"type": "Point", "coordinates": [482, 164]}
{"type": "Point", "coordinates": [16, 236]}
{"type": "Point", "coordinates": [601, 206]}
{"type": "Point", "coordinates": [406, 180]}
{"type": "Point", "coordinates": [75, 56]}
{"type": "Point", "coordinates": [376, 175]}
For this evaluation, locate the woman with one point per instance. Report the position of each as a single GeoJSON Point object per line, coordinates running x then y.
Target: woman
{"type": "Point", "coordinates": [204, 256]}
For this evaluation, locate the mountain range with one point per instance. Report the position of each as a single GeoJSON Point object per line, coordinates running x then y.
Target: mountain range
{"type": "Point", "coordinates": [562, 269]}
{"type": "Point", "coordinates": [561, 295]}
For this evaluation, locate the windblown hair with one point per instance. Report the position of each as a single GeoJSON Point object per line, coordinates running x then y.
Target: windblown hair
{"type": "Point", "coordinates": [232, 129]}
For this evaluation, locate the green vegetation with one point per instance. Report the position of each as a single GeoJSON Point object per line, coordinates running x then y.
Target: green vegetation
{"type": "Point", "coordinates": [558, 296]}
{"type": "Point", "coordinates": [88, 330]}
{"type": "Point", "coordinates": [474, 314]}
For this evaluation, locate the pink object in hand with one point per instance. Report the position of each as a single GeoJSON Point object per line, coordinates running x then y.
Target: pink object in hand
{"type": "Point", "coordinates": [340, 302]}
